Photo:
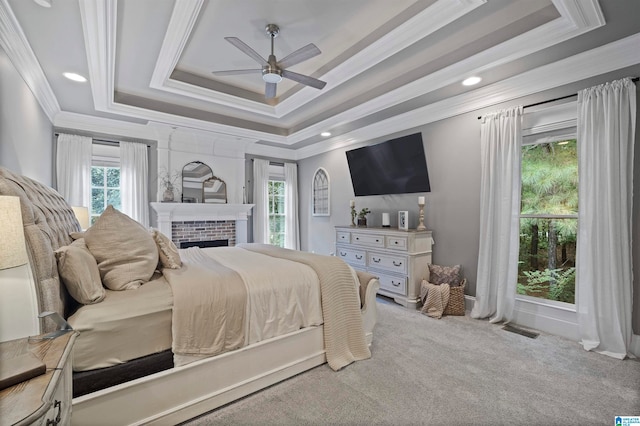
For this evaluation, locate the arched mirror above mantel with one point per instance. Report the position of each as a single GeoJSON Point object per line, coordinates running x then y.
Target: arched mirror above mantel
{"type": "Point", "coordinates": [194, 175]}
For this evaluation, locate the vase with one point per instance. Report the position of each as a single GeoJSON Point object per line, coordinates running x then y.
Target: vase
{"type": "Point", "coordinates": [168, 195]}
{"type": "Point", "coordinates": [362, 221]}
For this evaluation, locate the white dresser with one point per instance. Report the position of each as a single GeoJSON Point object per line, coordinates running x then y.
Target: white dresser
{"type": "Point", "coordinates": [398, 258]}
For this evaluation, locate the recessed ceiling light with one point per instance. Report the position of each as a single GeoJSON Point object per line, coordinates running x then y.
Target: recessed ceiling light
{"type": "Point", "coordinates": [44, 3]}
{"type": "Point", "coordinates": [325, 134]}
{"type": "Point", "coordinates": [75, 77]}
{"type": "Point", "coordinates": [471, 81]}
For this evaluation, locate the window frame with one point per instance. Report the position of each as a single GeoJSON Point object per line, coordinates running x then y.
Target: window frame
{"type": "Point", "coordinates": [318, 207]}
{"type": "Point", "coordinates": [547, 124]}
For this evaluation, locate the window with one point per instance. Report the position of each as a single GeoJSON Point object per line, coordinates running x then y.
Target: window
{"type": "Point", "coordinates": [105, 179]}
{"type": "Point", "coordinates": [548, 220]}
{"type": "Point", "coordinates": [105, 190]}
{"type": "Point", "coordinates": [276, 212]}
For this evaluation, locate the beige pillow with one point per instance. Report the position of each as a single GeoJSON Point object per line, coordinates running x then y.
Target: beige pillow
{"type": "Point", "coordinates": [79, 273]}
{"type": "Point", "coordinates": [126, 253]}
{"type": "Point", "coordinates": [168, 252]}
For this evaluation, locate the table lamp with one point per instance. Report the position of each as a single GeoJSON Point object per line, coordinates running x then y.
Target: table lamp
{"type": "Point", "coordinates": [18, 300]}
{"type": "Point", "coordinates": [82, 214]}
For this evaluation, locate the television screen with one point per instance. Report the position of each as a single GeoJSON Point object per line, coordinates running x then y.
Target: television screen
{"type": "Point", "coordinates": [397, 166]}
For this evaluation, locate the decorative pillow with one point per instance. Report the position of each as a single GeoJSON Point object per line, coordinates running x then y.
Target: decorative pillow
{"type": "Point", "coordinates": [125, 251]}
{"type": "Point", "coordinates": [444, 274]}
{"type": "Point", "coordinates": [168, 252]}
{"type": "Point", "coordinates": [79, 273]}
{"type": "Point", "coordinates": [77, 235]}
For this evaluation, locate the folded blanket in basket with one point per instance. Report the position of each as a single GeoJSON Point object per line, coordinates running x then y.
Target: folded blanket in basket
{"type": "Point", "coordinates": [434, 298]}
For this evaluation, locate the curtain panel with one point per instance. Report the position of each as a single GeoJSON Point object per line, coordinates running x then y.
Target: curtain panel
{"type": "Point", "coordinates": [500, 148]}
{"type": "Point", "coordinates": [291, 232]}
{"type": "Point", "coordinates": [604, 277]}
{"type": "Point", "coordinates": [134, 181]}
{"type": "Point", "coordinates": [261, 201]}
{"type": "Point", "coordinates": [73, 169]}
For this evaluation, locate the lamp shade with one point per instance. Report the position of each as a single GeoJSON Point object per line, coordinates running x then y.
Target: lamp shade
{"type": "Point", "coordinates": [82, 214]}
{"type": "Point", "coordinates": [14, 250]}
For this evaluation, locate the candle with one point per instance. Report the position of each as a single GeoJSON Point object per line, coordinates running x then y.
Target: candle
{"type": "Point", "coordinates": [385, 219]}
{"type": "Point", "coordinates": [420, 200]}
{"type": "Point", "coordinates": [352, 203]}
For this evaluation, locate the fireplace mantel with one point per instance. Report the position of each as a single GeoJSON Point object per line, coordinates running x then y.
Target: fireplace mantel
{"type": "Point", "coordinates": [178, 212]}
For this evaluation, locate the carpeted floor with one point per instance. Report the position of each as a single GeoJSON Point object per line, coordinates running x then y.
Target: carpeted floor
{"type": "Point", "coordinates": [452, 371]}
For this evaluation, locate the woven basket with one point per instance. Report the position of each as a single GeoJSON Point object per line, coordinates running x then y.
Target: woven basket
{"type": "Point", "coordinates": [456, 300]}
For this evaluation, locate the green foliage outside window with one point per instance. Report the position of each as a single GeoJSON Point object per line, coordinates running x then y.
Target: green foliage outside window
{"type": "Point", "coordinates": [548, 222]}
{"type": "Point", "coordinates": [105, 190]}
{"type": "Point", "coordinates": [276, 213]}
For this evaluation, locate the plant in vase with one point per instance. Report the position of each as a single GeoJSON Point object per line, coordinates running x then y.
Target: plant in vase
{"type": "Point", "coordinates": [362, 216]}
{"type": "Point", "coordinates": [168, 181]}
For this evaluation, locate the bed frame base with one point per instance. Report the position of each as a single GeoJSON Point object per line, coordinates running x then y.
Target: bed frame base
{"type": "Point", "coordinates": [181, 393]}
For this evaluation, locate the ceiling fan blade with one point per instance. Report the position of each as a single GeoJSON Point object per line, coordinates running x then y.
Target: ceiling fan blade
{"type": "Point", "coordinates": [247, 50]}
{"type": "Point", "coordinates": [304, 79]}
{"type": "Point", "coordinates": [270, 90]}
{"type": "Point", "coordinates": [236, 72]}
{"type": "Point", "coordinates": [300, 55]}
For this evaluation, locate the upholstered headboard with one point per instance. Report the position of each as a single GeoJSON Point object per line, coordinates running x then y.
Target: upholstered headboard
{"type": "Point", "coordinates": [48, 221]}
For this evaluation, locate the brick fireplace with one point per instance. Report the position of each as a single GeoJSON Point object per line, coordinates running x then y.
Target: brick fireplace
{"type": "Point", "coordinates": [203, 222]}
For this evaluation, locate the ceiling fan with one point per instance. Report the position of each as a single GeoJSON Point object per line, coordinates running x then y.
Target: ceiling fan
{"type": "Point", "coordinates": [273, 70]}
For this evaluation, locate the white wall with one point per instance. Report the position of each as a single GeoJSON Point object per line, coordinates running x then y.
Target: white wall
{"type": "Point", "coordinates": [26, 134]}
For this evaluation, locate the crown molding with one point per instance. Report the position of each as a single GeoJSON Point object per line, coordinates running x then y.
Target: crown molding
{"type": "Point", "coordinates": [99, 24]}
{"type": "Point", "coordinates": [547, 35]}
{"type": "Point", "coordinates": [601, 60]}
{"type": "Point", "coordinates": [183, 18]}
{"type": "Point", "coordinates": [15, 44]}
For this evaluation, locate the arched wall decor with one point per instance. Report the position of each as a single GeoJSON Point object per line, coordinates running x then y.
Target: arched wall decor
{"type": "Point", "coordinates": [320, 193]}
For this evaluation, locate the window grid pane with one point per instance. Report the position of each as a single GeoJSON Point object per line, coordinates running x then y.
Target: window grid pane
{"type": "Point", "coordinates": [105, 190]}
{"type": "Point", "coordinates": [276, 213]}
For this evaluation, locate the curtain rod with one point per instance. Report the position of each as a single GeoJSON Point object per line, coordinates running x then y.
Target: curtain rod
{"type": "Point", "coordinates": [635, 79]}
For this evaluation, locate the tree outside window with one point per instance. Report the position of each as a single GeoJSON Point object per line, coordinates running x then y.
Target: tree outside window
{"type": "Point", "coordinates": [276, 213]}
{"type": "Point", "coordinates": [105, 190]}
{"type": "Point", "coordinates": [549, 221]}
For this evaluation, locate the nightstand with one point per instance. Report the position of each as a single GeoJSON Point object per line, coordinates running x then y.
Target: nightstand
{"type": "Point", "coordinates": [45, 399]}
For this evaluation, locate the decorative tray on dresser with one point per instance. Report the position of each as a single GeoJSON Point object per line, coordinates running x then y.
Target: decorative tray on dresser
{"type": "Point", "coordinates": [44, 399]}
{"type": "Point", "coordinates": [399, 258]}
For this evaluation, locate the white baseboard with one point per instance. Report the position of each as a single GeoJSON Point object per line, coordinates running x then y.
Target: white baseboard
{"type": "Point", "coordinates": [550, 319]}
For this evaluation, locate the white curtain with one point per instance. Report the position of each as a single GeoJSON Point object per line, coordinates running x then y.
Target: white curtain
{"type": "Point", "coordinates": [73, 169]}
{"type": "Point", "coordinates": [500, 147]}
{"type": "Point", "coordinates": [134, 181]}
{"type": "Point", "coordinates": [606, 127]}
{"type": "Point", "coordinates": [291, 231]}
{"type": "Point", "coordinates": [261, 201]}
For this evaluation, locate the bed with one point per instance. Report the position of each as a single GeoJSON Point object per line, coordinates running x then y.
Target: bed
{"type": "Point", "coordinates": [182, 376]}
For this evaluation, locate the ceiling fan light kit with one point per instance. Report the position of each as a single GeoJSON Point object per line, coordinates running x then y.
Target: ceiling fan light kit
{"type": "Point", "coordinates": [273, 71]}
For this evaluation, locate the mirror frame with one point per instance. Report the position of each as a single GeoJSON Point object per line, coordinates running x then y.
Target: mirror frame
{"type": "Point", "coordinates": [217, 196]}
{"type": "Point", "coordinates": [192, 191]}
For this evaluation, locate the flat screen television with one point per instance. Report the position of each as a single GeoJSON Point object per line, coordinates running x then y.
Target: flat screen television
{"type": "Point", "coordinates": [397, 166]}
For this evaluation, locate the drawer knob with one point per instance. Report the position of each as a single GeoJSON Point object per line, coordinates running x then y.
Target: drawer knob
{"type": "Point", "coordinates": [377, 241]}
{"type": "Point", "coordinates": [343, 254]}
{"type": "Point", "coordinates": [395, 242]}
{"type": "Point", "coordinates": [376, 260]}
{"type": "Point", "coordinates": [357, 238]}
{"type": "Point", "coordinates": [358, 256]}
{"type": "Point", "coordinates": [395, 284]}
{"type": "Point", "coordinates": [396, 264]}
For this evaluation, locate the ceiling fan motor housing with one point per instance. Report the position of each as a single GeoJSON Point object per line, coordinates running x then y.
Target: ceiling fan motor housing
{"type": "Point", "coordinates": [271, 73]}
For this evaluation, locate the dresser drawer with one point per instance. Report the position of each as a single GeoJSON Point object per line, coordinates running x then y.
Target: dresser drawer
{"type": "Point", "coordinates": [388, 262]}
{"type": "Point", "coordinates": [397, 243]}
{"type": "Point", "coordinates": [343, 237]}
{"type": "Point", "coordinates": [352, 256]}
{"type": "Point", "coordinates": [370, 240]}
{"type": "Point", "coordinates": [394, 284]}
